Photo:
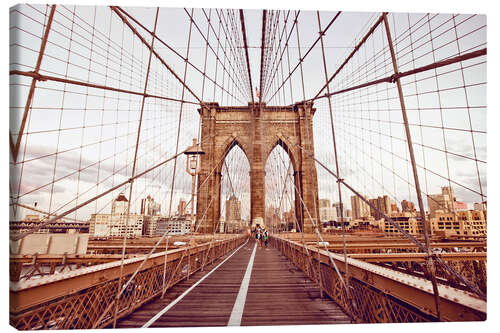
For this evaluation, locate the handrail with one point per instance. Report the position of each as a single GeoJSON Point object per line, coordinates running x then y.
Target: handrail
{"type": "Point", "coordinates": [383, 294]}
{"type": "Point", "coordinates": [77, 298]}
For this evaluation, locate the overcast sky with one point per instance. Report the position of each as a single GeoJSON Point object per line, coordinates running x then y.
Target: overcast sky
{"type": "Point", "coordinates": [93, 131]}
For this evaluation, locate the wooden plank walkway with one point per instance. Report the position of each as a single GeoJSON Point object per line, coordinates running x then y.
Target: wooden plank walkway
{"type": "Point", "coordinates": [278, 294]}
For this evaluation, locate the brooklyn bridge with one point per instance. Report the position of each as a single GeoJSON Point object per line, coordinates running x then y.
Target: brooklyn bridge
{"type": "Point", "coordinates": [221, 167]}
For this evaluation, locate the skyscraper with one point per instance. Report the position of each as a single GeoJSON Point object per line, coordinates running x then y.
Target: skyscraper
{"type": "Point", "coordinates": [441, 202]}
{"type": "Point", "coordinates": [233, 209]}
{"type": "Point", "coordinates": [336, 205]}
{"type": "Point", "coordinates": [408, 206]}
{"type": "Point", "coordinates": [324, 203]}
{"type": "Point", "coordinates": [383, 205]}
{"type": "Point", "coordinates": [150, 207]}
{"type": "Point", "coordinates": [151, 214]}
{"type": "Point", "coordinates": [117, 223]}
{"type": "Point", "coordinates": [359, 208]}
{"type": "Point", "coordinates": [119, 205]}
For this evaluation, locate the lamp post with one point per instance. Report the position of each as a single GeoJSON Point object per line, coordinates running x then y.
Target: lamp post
{"type": "Point", "coordinates": [193, 168]}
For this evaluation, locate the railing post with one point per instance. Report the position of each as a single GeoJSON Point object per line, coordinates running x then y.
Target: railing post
{"type": "Point", "coordinates": [189, 260]}
{"type": "Point", "coordinates": [430, 261]}
{"type": "Point", "coordinates": [320, 279]}
{"type": "Point", "coordinates": [165, 268]}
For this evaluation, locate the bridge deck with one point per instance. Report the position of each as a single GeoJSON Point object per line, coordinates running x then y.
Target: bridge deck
{"type": "Point", "coordinates": [277, 294]}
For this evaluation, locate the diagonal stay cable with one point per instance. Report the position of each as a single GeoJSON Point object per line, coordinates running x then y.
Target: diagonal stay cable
{"type": "Point", "coordinates": [243, 31]}
{"type": "Point", "coordinates": [55, 218]}
{"type": "Point", "coordinates": [167, 233]}
{"type": "Point", "coordinates": [155, 53]}
{"type": "Point", "coordinates": [172, 49]}
{"type": "Point", "coordinates": [421, 246]}
{"type": "Point", "coordinates": [262, 53]}
{"type": "Point", "coordinates": [205, 38]}
{"type": "Point", "coordinates": [356, 48]}
{"type": "Point", "coordinates": [316, 229]}
{"type": "Point", "coordinates": [301, 60]}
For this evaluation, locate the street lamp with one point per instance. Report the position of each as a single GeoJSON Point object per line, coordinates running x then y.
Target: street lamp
{"type": "Point", "coordinates": [193, 168]}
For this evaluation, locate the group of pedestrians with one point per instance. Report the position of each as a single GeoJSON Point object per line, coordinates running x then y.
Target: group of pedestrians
{"type": "Point", "coordinates": [261, 236]}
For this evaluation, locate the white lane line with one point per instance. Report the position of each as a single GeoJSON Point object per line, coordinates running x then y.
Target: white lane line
{"type": "Point", "coordinates": [169, 306]}
{"type": "Point", "coordinates": [239, 304]}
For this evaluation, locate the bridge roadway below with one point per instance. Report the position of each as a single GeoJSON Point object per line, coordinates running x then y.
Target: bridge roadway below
{"type": "Point", "coordinates": [277, 293]}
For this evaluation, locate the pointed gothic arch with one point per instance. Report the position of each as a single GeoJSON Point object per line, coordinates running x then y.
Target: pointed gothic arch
{"type": "Point", "coordinates": [257, 129]}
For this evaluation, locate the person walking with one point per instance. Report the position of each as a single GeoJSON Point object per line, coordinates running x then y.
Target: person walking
{"type": "Point", "coordinates": [265, 237]}
{"type": "Point", "coordinates": [258, 236]}
{"type": "Point", "coordinates": [261, 238]}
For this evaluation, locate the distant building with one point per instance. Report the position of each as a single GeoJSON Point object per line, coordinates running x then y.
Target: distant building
{"type": "Point", "coordinates": [149, 225]}
{"type": "Point", "coordinates": [327, 214]}
{"type": "Point", "coordinates": [182, 207]}
{"type": "Point", "coordinates": [441, 203]}
{"type": "Point", "coordinates": [233, 222]}
{"type": "Point", "coordinates": [119, 205]}
{"type": "Point", "coordinates": [460, 223]}
{"type": "Point", "coordinates": [360, 208]}
{"type": "Point", "coordinates": [458, 206]}
{"type": "Point", "coordinates": [394, 208]}
{"type": "Point", "coordinates": [151, 213]}
{"type": "Point", "coordinates": [289, 220]}
{"type": "Point", "coordinates": [438, 203]}
{"type": "Point", "coordinates": [383, 205]}
{"type": "Point", "coordinates": [324, 203]}
{"type": "Point", "coordinates": [336, 205]}
{"type": "Point", "coordinates": [150, 207]}
{"type": "Point", "coordinates": [448, 190]}
{"type": "Point", "coordinates": [410, 224]}
{"type": "Point", "coordinates": [408, 206]}
{"type": "Point", "coordinates": [176, 225]}
{"type": "Point", "coordinates": [233, 209]}
{"type": "Point", "coordinates": [273, 218]}
{"type": "Point", "coordinates": [235, 226]}
{"type": "Point", "coordinates": [479, 206]}
{"type": "Point", "coordinates": [116, 224]}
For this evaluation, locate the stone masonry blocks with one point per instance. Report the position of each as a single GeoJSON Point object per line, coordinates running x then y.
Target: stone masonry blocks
{"type": "Point", "coordinates": [256, 129]}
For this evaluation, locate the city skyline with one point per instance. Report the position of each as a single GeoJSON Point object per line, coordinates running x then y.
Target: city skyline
{"type": "Point", "coordinates": [147, 144]}
{"type": "Point", "coordinates": [77, 168]}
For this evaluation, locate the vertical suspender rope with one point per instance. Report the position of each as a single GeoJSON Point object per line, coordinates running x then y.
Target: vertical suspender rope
{"type": "Point", "coordinates": [14, 148]}
{"type": "Point", "coordinates": [430, 261]}
{"type": "Point", "coordinates": [339, 189]}
{"type": "Point", "coordinates": [299, 228]}
{"type": "Point", "coordinates": [321, 239]}
{"type": "Point", "coordinates": [308, 121]}
{"type": "Point", "coordinates": [118, 292]}
{"type": "Point", "coordinates": [308, 138]}
{"type": "Point", "coordinates": [166, 234]}
{"type": "Point", "coordinates": [180, 115]}
{"type": "Point", "coordinates": [473, 287]}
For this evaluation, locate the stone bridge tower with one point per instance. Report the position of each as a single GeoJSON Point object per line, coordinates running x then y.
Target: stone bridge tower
{"type": "Point", "coordinates": [256, 129]}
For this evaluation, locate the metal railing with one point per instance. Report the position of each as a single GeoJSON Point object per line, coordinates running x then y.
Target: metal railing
{"type": "Point", "coordinates": [379, 294]}
{"type": "Point", "coordinates": [79, 299]}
